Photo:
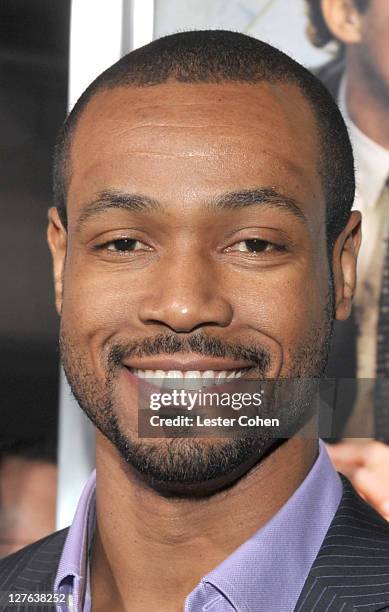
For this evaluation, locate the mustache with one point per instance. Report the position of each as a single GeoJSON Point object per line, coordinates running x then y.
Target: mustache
{"type": "Point", "coordinates": [199, 344]}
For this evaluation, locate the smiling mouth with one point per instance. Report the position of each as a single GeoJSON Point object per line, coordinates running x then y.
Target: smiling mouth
{"type": "Point", "coordinates": [189, 378]}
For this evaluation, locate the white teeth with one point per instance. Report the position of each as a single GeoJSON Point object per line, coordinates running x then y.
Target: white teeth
{"type": "Point", "coordinates": [171, 374]}
{"type": "Point", "coordinates": [203, 378]}
{"type": "Point", "coordinates": [221, 377]}
{"type": "Point", "coordinates": [207, 374]}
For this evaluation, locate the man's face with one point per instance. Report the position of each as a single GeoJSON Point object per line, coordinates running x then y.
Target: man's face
{"type": "Point", "coordinates": [196, 243]}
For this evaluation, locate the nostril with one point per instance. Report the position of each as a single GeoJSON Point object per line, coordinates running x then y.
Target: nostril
{"type": "Point", "coordinates": [187, 317]}
{"type": "Point", "coordinates": [182, 327]}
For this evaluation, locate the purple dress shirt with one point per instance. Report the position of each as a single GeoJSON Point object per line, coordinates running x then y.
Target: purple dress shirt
{"type": "Point", "coordinates": [266, 573]}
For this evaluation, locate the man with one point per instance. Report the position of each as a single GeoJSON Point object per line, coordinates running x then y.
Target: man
{"type": "Point", "coordinates": [358, 78]}
{"type": "Point", "coordinates": [203, 227]}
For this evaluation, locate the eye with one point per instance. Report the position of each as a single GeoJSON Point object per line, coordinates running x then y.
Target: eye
{"type": "Point", "coordinates": [254, 246]}
{"type": "Point", "coordinates": [123, 246]}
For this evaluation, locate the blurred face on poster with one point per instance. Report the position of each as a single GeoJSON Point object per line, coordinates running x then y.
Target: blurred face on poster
{"type": "Point", "coordinates": [361, 28]}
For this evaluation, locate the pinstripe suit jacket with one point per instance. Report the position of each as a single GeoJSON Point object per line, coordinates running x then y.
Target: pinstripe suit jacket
{"type": "Point", "coordinates": [350, 573]}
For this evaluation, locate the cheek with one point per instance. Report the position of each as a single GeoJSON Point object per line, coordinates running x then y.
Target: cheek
{"type": "Point", "coordinates": [96, 303]}
{"type": "Point", "coordinates": [286, 308]}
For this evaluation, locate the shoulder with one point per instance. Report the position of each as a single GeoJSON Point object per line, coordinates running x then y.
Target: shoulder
{"type": "Point", "coordinates": [330, 74]}
{"type": "Point", "coordinates": [352, 567]}
{"type": "Point", "coordinates": [33, 565]}
{"type": "Point", "coordinates": [353, 505]}
{"type": "Point", "coordinates": [357, 532]}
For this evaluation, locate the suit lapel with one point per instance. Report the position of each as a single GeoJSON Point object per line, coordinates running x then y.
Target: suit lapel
{"type": "Point", "coordinates": [351, 571]}
{"type": "Point", "coordinates": [33, 568]}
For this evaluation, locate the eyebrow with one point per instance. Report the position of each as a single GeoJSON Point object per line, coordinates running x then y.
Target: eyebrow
{"type": "Point", "coordinates": [233, 200]}
{"type": "Point", "coordinates": [267, 196]}
{"type": "Point", "coordinates": [108, 200]}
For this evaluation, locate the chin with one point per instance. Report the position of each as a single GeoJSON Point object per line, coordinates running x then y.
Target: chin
{"type": "Point", "coordinates": [192, 468]}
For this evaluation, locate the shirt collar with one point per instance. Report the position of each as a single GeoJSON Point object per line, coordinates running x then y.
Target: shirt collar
{"type": "Point", "coordinates": [371, 159]}
{"type": "Point", "coordinates": [72, 568]}
{"type": "Point", "coordinates": [273, 565]}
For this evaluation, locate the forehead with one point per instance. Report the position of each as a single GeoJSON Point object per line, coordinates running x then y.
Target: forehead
{"type": "Point", "coordinates": [181, 140]}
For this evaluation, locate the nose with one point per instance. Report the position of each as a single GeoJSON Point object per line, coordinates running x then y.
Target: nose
{"type": "Point", "coordinates": [186, 295]}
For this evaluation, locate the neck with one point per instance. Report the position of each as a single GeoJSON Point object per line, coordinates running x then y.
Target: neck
{"type": "Point", "coordinates": [366, 100]}
{"type": "Point", "coordinates": [150, 549]}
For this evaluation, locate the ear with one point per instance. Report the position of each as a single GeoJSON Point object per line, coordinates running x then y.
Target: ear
{"type": "Point", "coordinates": [344, 265]}
{"type": "Point", "coordinates": [57, 239]}
{"type": "Point", "coordinates": [343, 19]}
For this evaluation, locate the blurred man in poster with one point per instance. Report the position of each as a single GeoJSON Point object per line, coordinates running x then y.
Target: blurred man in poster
{"type": "Point", "coordinates": [358, 78]}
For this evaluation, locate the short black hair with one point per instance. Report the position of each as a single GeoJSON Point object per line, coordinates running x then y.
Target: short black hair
{"type": "Point", "coordinates": [318, 31]}
{"type": "Point", "coordinates": [217, 56]}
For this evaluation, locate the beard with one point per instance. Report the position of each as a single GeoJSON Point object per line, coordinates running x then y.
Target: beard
{"type": "Point", "coordinates": [188, 467]}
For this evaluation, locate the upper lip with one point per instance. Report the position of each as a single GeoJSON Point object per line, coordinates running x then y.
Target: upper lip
{"type": "Point", "coordinates": [185, 364]}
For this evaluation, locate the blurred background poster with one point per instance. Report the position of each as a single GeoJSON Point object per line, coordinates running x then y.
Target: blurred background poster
{"type": "Point", "coordinates": [49, 51]}
{"type": "Point", "coordinates": [281, 23]}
